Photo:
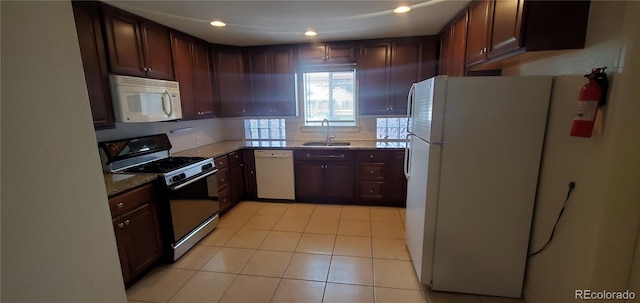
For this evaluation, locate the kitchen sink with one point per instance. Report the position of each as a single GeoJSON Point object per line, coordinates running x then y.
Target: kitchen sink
{"type": "Point", "coordinates": [324, 143]}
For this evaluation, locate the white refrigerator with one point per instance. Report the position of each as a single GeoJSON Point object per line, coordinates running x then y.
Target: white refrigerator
{"type": "Point", "coordinates": [472, 160]}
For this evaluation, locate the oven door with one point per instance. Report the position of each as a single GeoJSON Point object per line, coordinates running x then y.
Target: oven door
{"type": "Point", "coordinates": [193, 213]}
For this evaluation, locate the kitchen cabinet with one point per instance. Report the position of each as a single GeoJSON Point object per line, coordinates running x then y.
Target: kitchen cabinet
{"type": "Point", "coordinates": [222, 182]}
{"type": "Point", "coordinates": [374, 60]}
{"type": "Point", "coordinates": [412, 60]}
{"type": "Point", "coordinates": [324, 176]}
{"type": "Point", "coordinates": [387, 69]}
{"type": "Point", "coordinates": [478, 28]}
{"type": "Point", "coordinates": [453, 45]}
{"type": "Point", "coordinates": [230, 81]}
{"type": "Point", "coordinates": [272, 78]}
{"type": "Point", "coordinates": [236, 176]}
{"type": "Point", "coordinates": [94, 62]}
{"type": "Point", "coordinates": [136, 225]}
{"type": "Point", "coordinates": [193, 72]}
{"type": "Point", "coordinates": [499, 29]}
{"type": "Point", "coordinates": [137, 47]}
{"type": "Point", "coordinates": [379, 178]}
{"type": "Point", "coordinates": [250, 184]}
{"type": "Point", "coordinates": [339, 52]}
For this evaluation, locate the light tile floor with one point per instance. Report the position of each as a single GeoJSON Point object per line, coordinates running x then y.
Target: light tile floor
{"type": "Point", "coordinates": [295, 252]}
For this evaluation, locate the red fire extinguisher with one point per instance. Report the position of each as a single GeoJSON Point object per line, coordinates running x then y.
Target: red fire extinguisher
{"type": "Point", "coordinates": [592, 96]}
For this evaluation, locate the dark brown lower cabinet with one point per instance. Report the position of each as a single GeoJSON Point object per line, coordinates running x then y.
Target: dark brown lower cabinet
{"type": "Point", "coordinates": [324, 176]}
{"type": "Point", "coordinates": [137, 230]}
{"type": "Point", "coordinates": [236, 178]}
{"type": "Point", "coordinates": [380, 179]}
{"type": "Point", "coordinates": [250, 185]}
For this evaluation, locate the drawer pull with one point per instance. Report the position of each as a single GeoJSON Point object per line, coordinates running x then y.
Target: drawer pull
{"type": "Point", "coordinates": [371, 156]}
{"type": "Point", "coordinates": [371, 190]}
{"type": "Point", "coordinates": [341, 156]}
{"type": "Point", "coordinates": [372, 172]}
{"type": "Point", "coordinates": [120, 205]}
{"type": "Point", "coordinates": [126, 222]}
{"type": "Point", "coordinates": [121, 225]}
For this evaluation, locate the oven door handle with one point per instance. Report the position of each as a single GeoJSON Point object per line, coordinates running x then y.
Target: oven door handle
{"type": "Point", "coordinates": [181, 185]}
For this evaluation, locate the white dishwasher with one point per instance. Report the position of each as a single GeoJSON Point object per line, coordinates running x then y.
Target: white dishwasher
{"type": "Point", "coordinates": [274, 174]}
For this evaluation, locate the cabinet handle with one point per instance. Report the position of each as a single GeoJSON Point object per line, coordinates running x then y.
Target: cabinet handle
{"type": "Point", "coordinates": [120, 205]}
{"type": "Point", "coordinates": [371, 191]}
{"type": "Point", "coordinates": [149, 69]}
{"type": "Point", "coordinates": [126, 222]}
{"type": "Point", "coordinates": [145, 69]}
{"type": "Point", "coordinates": [121, 225]}
{"type": "Point", "coordinates": [222, 180]}
{"type": "Point", "coordinates": [252, 172]}
{"type": "Point", "coordinates": [241, 164]}
{"type": "Point", "coordinates": [371, 156]}
{"type": "Point", "coordinates": [372, 172]}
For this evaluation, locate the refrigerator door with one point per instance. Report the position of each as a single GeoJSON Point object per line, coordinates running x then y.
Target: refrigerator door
{"type": "Point", "coordinates": [428, 109]}
{"type": "Point", "coordinates": [495, 129]}
{"type": "Point", "coordinates": [422, 204]}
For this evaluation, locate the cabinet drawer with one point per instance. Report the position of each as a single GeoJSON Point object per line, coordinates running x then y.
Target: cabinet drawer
{"type": "Point", "coordinates": [372, 171]}
{"type": "Point", "coordinates": [221, 162]}
{"type": "Point", "coordinates": [130, 200]}
{"type": "Point", "coordinates": [222, 177]}
{"type": "Point", "coordinates": [371, 156]}
{"type": "Point", "coordinates": [234, 157]}
{"type": "Point", "coordinates": [323, 155]}
{"type": "Point", "coordinates": [224, 196]}
{"type": "Point", "coordinates": [371, 190]}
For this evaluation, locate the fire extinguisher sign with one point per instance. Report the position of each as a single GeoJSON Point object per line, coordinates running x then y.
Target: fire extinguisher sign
{"type": "Point", "coordinates": [586, 110]}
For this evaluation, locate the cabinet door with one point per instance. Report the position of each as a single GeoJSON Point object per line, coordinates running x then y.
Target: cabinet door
{"type": "Point", "coordinates": [429, 57]}
{"type": "Point", "coordinates": [396, 182]}
{"type": "Point", "coordinates": [506, 29]}
{"type": "Point", "coordinates": [250, 186]}
{"type": "Point", "coordinates": [446, 52]}
{"type": "Point", "coordinates": [183, 68]}
{"type": "Point", "coordinates": [203, 97]}
{"type": "Point", "coordinates": [122, 242]}
{"type": "Point", "coordinates": [339, 180]}
{"type": "Point", "coordinates": [156, 43]}
{"type": "Point", "coordinates": [311, 54]}
{"type": "Point", "coordinates": [458, 48]}
{"type": "Point", "coordinates": [231, 85]}
{"type": "Point", "coordinates": [123, 43]}
{"type": "Point", "coordinates": [340, 53]}
{"type": "Point", "coordinates": [94, 62]}
{"type": "Point", "coordinates": [283, 83]}
{"type": "Point", "coordinates": [309, 177]}
{"type": "Point", "coordinates": [373, 78]}
{"type": "Point", "coordinates": [236, 180]}
{"type": "Point", "coordinates": [477, 32]}
{"type": "Point", "coordinates": [260, 73]}
{"type": "Point", "coordinates": [406, 68]}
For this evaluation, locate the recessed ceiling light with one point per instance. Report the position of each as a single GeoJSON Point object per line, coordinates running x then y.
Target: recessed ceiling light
{"type": "Point", "coordinates": [401, 9]}
{"type": "Point", "coordinates": [218, 23]}
{"type": "Point", "coordinates": [310, 33]}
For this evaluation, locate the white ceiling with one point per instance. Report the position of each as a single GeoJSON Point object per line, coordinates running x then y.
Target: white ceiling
{"type": "Point", "coordinates": [279, 22]}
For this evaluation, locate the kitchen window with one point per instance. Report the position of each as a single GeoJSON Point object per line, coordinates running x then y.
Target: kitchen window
{"type": "Point", "coordinates": [264, 129]}
{"type": "Point", "coordinates": [329, 92]}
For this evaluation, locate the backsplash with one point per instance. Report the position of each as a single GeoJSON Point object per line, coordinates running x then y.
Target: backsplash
{"type": "Point", "coordinates": [209, 131]}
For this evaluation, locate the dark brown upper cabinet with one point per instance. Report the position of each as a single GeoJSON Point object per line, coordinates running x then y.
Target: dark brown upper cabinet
{"type": "Point", "coordinates": [339, 52]}
{"type": "Point", "coordinates": [499, 29]}
{"type": "Point", "coordinates": [193, 73]}
{"type": "Point", "coordinates": [231, 86]}
{"type": "Point", "coordinates": [387, 69]}
{"type": "Point", "coordinates": [94, 62]}
{"type": "Point", "coordinates": [453, 43]}
{"type": "Point", "coordinates": [272, 78]}
{"type": "Point", "coordinates": [137, 47]}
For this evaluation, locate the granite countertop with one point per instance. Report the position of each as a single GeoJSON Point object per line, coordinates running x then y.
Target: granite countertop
{"type": "Point", "coordinates": [225, 147]}
{"type": "Point", "coordinates": [118, 183]}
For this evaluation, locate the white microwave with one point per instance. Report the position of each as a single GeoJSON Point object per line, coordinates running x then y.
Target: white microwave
{"type": "Point", "coordinates": [144, 100]}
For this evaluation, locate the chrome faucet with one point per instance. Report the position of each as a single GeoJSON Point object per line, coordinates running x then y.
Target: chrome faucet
{"type": "Point", "coordinates": [328, 128]}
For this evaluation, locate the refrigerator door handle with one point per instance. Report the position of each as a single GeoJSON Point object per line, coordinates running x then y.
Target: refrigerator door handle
{"type": "Point", "coordinates": [410, 105]}
{"type": "Point", "coordinates": [407, 155]}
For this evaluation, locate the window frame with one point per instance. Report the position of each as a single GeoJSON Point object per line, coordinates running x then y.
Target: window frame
{"type": "Point", "coordinates": [328, 68]}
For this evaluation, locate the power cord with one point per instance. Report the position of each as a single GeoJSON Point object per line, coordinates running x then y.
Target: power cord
{"type": "Point", "coordinates": [572, 185]}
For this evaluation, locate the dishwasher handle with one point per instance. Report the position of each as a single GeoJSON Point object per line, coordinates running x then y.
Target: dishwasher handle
{"type": "Point", "coordinates": [310, 156]}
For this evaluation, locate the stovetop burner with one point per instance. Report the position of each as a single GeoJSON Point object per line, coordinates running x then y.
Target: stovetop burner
{"type": "Point", "coordinates": [165, 165]}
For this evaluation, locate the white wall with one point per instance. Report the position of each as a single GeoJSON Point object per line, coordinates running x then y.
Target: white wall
{"type": "Point", "coordinates": [595, 241]}
{"type": "Point", "coordinates": [57, 239]}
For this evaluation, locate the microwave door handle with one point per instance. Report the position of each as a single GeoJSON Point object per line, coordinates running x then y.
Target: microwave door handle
{"type": "Point", "coordinates": [170, 104]}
